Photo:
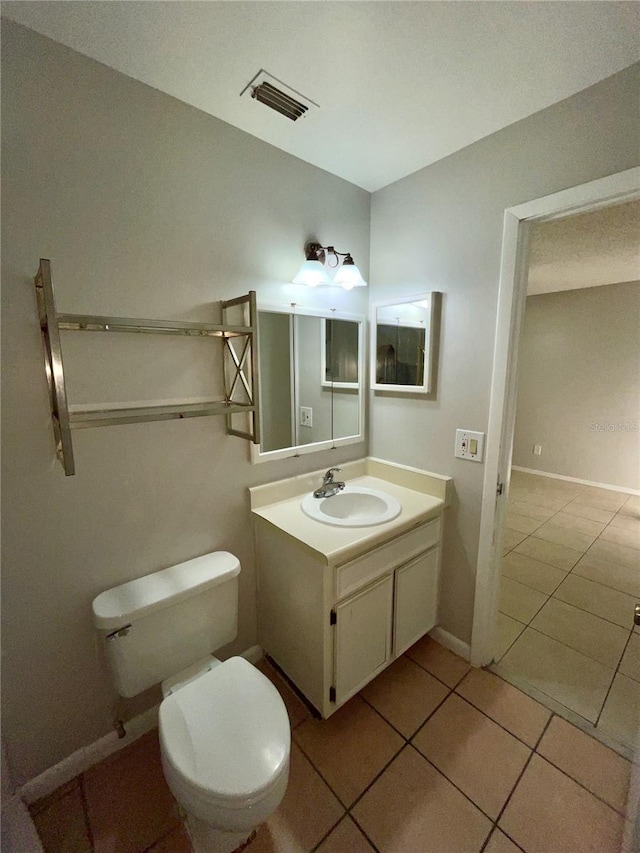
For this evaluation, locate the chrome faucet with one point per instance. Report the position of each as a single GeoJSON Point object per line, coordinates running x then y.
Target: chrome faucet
{"type": "Point", "coordinates": [329, 486]}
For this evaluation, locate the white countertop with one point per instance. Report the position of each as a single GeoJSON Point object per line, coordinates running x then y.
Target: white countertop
{"type": "Point", "coordinates": [336, 545]}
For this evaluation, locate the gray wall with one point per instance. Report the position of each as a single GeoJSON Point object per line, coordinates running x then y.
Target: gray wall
{"type": "Point", "coordinates": [441, 229]}
{"type": "Point", "coordinates": [148, 208]}
{"type": "Point", "coordinates": [579, 385]}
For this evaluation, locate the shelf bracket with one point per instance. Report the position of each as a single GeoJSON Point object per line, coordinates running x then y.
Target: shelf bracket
{"type": "Point", "coordinates": [53, 366]}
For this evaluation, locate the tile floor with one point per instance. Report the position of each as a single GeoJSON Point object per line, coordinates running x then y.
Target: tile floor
{"type": "Point", "coordinates": [431, 757]}
{"type": "Point", "coordinates": [570, 582]}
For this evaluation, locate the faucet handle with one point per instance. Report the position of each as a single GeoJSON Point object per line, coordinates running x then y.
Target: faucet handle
{"type": "Point", "coordinates": [328, 477]}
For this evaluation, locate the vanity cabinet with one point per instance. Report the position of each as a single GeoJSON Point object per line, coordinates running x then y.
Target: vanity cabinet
{"type": "Point", "coordinates": [332, 627]}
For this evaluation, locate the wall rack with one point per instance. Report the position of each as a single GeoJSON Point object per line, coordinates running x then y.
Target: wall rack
{"type": "Point", "coordinates": [239, 367]}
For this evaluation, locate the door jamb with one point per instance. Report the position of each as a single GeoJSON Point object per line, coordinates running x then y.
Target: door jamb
{"type": "Point", "coordinates": [614, 189]}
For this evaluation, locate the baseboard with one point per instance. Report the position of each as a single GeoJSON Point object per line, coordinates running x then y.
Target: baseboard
{"type": "Point", "coordinates": [611, 488]}
{"type": "Point", "coordinates": [82, 759]}
{"type": "Point", "coordinates": [450, 642]}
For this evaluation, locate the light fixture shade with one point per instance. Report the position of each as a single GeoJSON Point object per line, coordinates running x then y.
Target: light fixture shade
{"type": "Point", "coordinates": [312, 273]}
{"type": "Point", "coordinates": [349, 276]}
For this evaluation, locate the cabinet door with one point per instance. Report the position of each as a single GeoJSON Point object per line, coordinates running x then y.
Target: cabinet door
{"type": "Point", "coordinates": [416, 600]}
{"type": "Point", "coordinates": [363, 637]}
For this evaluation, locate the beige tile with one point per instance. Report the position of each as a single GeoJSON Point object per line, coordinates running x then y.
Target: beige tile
{"type": "Point", "coordinates": [539, 513]}
{"type": "Point", "coordinates": [548, 501]}
{"type": "Point", "coordinates": [521, 523]}
{"type": "Point", "coordinates": [499, 843]}
{"type": "Point", "coordinates": [603, 601]}
{"type": "Point", "coordinates": [305, 815]}
{"type": "Point", "coordinates": [552, 532]}
{"type": "Point", "coordinates": [591, 513]}
{"type": "Point", "coordinates": [513, 709]}
{"type": "Point", "coordinates": [622, 536]}
{"type": "Point", "coordinates": [621, 713]}
{"type": "Point", "coordinates": [595, 637]}
{"type": "Point", "coordinates": [601, 498]}
{"type": "Point", "coordinates": [176, 842]}
{"type": "Point", "coordinates": [626, 522]}
{"type": "Point", "coordinates": [413, 809]}
{"type": "Point", "coordinates": [511, 538]}
{"type": "Point", "coordinates": [630, 664]}
{"type": "Point", "coordinates": [345, 838]}
{"type": "Point", "coordinates": [575, 522]}
{"type": "Point", "coordinates": [562, 673]}
{"type": "Point", "coordinates": [615, 553]}
{"type": "Point", "coordinates": [405, 694]}
{"type": "Point", "coordinates": [507, 630]}
{"type": "Point", "coordinates": [549, 552]}
{"type": "Point", "coordinates": [532, 572]}
{"type": "Point", "coordinates": [61, 822]}
{"type": "Point", "coordinates": [350, 748]}
{"type": "Point", "coordinates": [601, 770]}
{"type": "Point", "coordinates": [128, 802]}
{"type": "Point", "coordinates": [623, 578]}
{"type": "Point", "coordinates": [296, 708]}
{"type": "Point", "coordinates": [631, 507]}
{"type": "Point", "coordinates": [519, 601]}
{"type": "Point", "coordinates": [478, 756]}
{"type": "Point", "coordinates": [439, 661]}
{"type": "Point", "coordinates": [550, 813]}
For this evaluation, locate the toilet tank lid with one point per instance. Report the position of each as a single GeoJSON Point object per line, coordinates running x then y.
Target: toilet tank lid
{"type": "Point", "coordinates": [119, 606]}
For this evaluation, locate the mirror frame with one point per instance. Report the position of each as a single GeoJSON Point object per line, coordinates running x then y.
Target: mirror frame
{"type": "Point", "coordinates": [257, 455]}
{"type": "Point", "coordinates": [433, 308]}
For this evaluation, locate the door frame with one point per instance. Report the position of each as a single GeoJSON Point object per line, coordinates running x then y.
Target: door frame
{"type": "Point", "coordinates": [512, 295]}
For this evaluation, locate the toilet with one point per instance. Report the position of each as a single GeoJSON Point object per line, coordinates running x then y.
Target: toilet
{"type": "Point", "coordinates": [224, 731]}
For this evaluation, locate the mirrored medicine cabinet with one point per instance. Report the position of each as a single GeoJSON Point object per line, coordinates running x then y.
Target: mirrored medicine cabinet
{"type": "Point", "coordinates": [312, 379]}
{"type": "Point", "coordinates": [403, 344]}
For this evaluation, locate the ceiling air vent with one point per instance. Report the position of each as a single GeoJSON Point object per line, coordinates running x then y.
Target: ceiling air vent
{"type": "Point", "coordinates": [276, 95]}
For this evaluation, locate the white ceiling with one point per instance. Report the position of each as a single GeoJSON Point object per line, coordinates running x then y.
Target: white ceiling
{"type": "Point", "coordinates": [588, 250]}
{"type": "Point", "coordinates": [399, 84]}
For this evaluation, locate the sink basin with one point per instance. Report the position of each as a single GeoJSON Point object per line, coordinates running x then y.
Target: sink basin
{"type": "Point", "coordinates": [355, 506]}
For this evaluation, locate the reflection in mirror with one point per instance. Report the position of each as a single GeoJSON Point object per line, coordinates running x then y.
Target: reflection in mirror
{"type": "Point", "coordinates": [310, 390]}
{"type": "Point", "coordinates": [403, 344]}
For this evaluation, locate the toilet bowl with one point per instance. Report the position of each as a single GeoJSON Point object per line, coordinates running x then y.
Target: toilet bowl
{"type": "Point", "coordinates": [225, 742]}
{"type": "Point", "coordinates": [224, 730]}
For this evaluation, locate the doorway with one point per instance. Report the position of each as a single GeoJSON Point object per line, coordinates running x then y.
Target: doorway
{"type": "Point", "coordinates": [613, 190]}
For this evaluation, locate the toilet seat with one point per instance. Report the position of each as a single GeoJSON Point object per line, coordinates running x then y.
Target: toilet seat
{"type": "Point", "coordinates": [225, 737]}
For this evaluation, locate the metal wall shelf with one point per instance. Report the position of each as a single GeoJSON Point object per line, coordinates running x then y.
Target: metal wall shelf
{"type": "Point", "coordinates": [239, 362]}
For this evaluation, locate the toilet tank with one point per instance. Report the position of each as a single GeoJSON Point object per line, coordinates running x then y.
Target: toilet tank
{"type": "Point", "coordinates": [155, 626]}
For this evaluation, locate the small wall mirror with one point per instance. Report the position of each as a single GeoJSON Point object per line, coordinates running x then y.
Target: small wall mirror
{"type": "Point", "coordinates": [311, 388]}
{"type": "Point", "coordinates": [403, 344]}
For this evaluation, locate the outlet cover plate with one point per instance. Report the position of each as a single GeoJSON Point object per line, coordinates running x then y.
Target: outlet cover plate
{"type": "Point", "coordinates": [469, 445]}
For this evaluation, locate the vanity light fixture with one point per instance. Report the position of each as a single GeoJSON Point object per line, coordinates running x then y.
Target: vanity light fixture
{"type": "Point", "coordinates": [320, 259]}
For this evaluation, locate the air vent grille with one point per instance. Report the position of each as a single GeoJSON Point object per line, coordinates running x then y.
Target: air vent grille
{"type": "Point", "coordinates": [278, 96]}
{"type": "Point", "coordinates": [279, 101]}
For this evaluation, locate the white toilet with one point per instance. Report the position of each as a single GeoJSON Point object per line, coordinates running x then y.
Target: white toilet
{"type": "Point", "coordinates": [224, 730]}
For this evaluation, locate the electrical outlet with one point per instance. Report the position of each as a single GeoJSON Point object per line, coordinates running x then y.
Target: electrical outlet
{"type": "Point", "coordinates": [306, 416]}
{"type": "Point", "coordinates": [537, 450]}
{"type": "Point", "coordinates": [469, 445]}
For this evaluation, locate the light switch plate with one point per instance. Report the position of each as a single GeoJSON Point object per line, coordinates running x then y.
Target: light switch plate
{"type": "Point", "coordinates": [306, 416]}
{"type": "Point", "coordinates": [469, 445]}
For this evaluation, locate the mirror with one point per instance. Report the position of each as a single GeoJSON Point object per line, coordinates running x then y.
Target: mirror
{"type": "Point", "coordinates": [311, 369]}
{"type": "Point", "coordinates": [403, 344]}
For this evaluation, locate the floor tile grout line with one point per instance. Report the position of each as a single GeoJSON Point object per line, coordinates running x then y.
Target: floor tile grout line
{"type": "Point", "coordinates": [577, 781]}
{"type": "Point", "coordinates": [451, 782]}
{"type": "Point", "coordinates": [617, 670]}
{"type": "Point", "coordinates": [573, 649]}
{"type": "Point", "coordinates": [523, 771]}
{"type": "Point", "coordinates": [327, 834]}
{"type": "Point", "coordinates": [361, 828]}
{"type": "Point", "coordinates": [496, 722]}
{"type": "Point", "coordinates": [85, 811]}
{"type": "Point", "coordinates": [389, 723]}
{"type": "Point", "coordinates": [604, 618]}
{"type": "Point", "coordinates": [437, 677]}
